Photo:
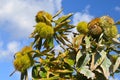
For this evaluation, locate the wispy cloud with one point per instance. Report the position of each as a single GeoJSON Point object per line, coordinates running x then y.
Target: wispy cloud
{"type": "Point", "coordinates": [82, 16]}
{"type": "Point", "coordinates": [117, 8]}
{"type": "Point", "coordinates": [18, 15]}
{"type": "Point", "coordinates": [8, 50]}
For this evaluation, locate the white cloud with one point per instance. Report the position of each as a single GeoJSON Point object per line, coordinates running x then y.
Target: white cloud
{"type": "Point", "coordinates": [117, 8]}
{"type": "Point", "coordinates": [82, 16]}
{"type": "Point", "coordinates": [8, 50]}
{"type": "Point", "coordinates": [19, 15]}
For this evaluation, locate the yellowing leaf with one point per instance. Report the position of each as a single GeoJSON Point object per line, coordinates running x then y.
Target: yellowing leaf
{"type": "Point", "coordinates": [77, 41]}
{"type": "Point", "coordinates": [64, 54]}
{"type": "Point", "coordinates": [60, 25]}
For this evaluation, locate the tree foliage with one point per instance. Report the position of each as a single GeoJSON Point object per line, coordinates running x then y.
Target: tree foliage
{"type": "Point", "coordinates": [93, 53]}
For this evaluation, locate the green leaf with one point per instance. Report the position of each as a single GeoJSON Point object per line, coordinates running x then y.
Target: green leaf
{"type": "Point", "coordinates": [84, 60]}
{"type": "Point", "coordinates": [48, 43]}
{"type": "Point", "coordinates": [88, 43]}
{"type": "Point", "coordinates": [47, 68]}
{"type": "Point", "coordinates": [63, 18]}
{"type": "Point", "coordinates": [117, 64]}
{"type": "Point", "coordinates": [99, 57]}
{"type": "Point", "coordinates": [36, 72]}
{"type": "Point", "coordinates": [80, 61]}
{"type": "Point", "coordinates": [43, 74]}
{"type": "Point", "coordinates": [105, 67]}
{"type": "Point", "coordinates": [69, 61]}
{"type": "Point", "coordinates": [86, 72]}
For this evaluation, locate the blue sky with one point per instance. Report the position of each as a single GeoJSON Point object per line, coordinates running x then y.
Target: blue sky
{"type": "Point", "coordinates": [17, 19]}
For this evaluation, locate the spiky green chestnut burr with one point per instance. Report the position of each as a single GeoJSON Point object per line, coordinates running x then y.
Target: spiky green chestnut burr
{"type": "Point", "coordinates": [25, 50]}
{"type": "Point", "coordinates": [23, 59]}
{"type": "Point", "coordinates": [44, 31]}
{"type": "Point", "coordinates": [40, 17]}
{"type": "Point", "coordinates": [111, 32]}
{"type": "Point", "coordinates": [39, 26]}
{"type": "Point", "coordinates": [106, 21]}
{"type": "Point", "coordinates": [82, 27]}
{"type": "Point", "coordinates": [23, 63]}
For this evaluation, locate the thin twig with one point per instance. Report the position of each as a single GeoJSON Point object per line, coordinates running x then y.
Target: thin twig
{"type": "Point", "coordinates": [12, 73]}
